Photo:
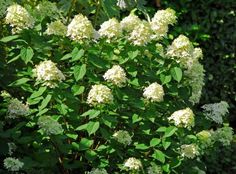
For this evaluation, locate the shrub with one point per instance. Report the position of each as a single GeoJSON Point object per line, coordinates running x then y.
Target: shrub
{"type": "Point", "coordinates": [113, 100]}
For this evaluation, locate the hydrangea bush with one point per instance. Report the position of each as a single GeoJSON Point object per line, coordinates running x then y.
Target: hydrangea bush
{"type": "Point", "coordinates": [116, 99]}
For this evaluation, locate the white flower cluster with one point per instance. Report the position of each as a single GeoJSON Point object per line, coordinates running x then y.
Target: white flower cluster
{"type": "Point", "coordinates": [224, 135]}
{"type": "Point", "coordinates": [160, 22]}
{"type": "Point", "coordinates": [216, 111]}
{"type": "Point", "coordinates": [154, 169]}
{"type": "Point", "coordinates": [80, 28]}
{"type": "Point", "coordinates": [154, 92]}
{"type": "Point", "coordinates": [141, 34]}
{"type": "Point", "coordinates": [130, 22]}
{"type": "Point", "coordinates": [97, 171]}
{"type": "Point", "coordinates": [110, 29]}
{"type": "Point", "coordinates": [122, 4]}
{"type": "Point", "coordinates": [12, 164]}
{"type": "Point", "coordinates": [184, 52]}
{"type": "Point", "coordinates": [133, 164]}
{"type": "Point", "coordinates": [99, 94]}
{"type": "Point", "coordinates": [48, 73]}
{"type": "Point", "coordinates": [206, 138]}
{"type": "Point", "coordinates": [183, 118]}
{"type": "Point", "coordinates": [123, 137]}
{"type": "Point", "coordinates": [189, 150]}
{"type": "Point", "coordinates": [49, 126]}
{"type": "Point", "coordinates": [116, 75]}
{"type": "Point", "coordinates": [16, 108]}
{"type": "Point", "coordinates": [56, 28]}
{"type": "Point", "coordinates": [47, 8]}
{"type": "Point", "coordinates": [11, 148]}
{"type": "Point", "coordinates": [19, 18]}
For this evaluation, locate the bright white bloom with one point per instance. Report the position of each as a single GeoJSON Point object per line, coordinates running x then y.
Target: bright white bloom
{"type": "Point", "coordinates": [183, 118]}
{"type": "Point", "coordinates": [197, 53]}
{"type": "Point", "coordinates": [159, 31]}
{"type": "Point", "coordinates": [12, 164]}
{"type": "Point", "coordinates": [216, 111]}
{"type": "Point", "coordinates": [154, 169]}
{"type": "Point", "coordinates": [164, 17]}
{"type": "Point", "coordinates": [195, 78]}
{"type": "Point", "coordinates": [19, 18]}
{"type": "Point", "coordinates": [110, 29]}
{"type": "Point", "coordinates": [16, 108]}
{"type": "Point", "coordinates": [99, 94]}
{"type": "Point", "coordinates": [49, 126]}
{"type": "Point", "coordinates": [97, 171]}
{"type": "Point", "coordinates": [154, 92]}
{"type": "Point", "coordinates": [189, 150]}
{"type": "Point", "coordinates": [224, 135]}
{"type": "Point", "coordinates": [80, 28]}
{"type": "Point", "coordinates": [48, 73]}
{"type": "Point", "coordinates": [141, 34]}
{"type": "Point", "coordinates": [123, 137]}
{"type": "Point", "coordinates": [116, 75]}
{"type": "Point", "coordinates": [133, 164]}
{"type": "Point", "coordinates": [122, 4]}
{"type": "Point", "coordinates": [56, 28]}
{"type": "Point", "coordinates": [130, 22]}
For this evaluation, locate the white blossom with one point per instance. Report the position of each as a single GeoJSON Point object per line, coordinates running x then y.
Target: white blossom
{"type": "Point", "coordinates": [224, 135]}
{"type": "Point", "coordinates": [49, 126]}
{"type": "Point", "coordinates": [56, 28]}
{"type": "Point", "coordinates": [97, 171]}
{"type": "Point", "coordinates": [48, 73]}
{"type": "Point", "coordinates": [13, 164]}
{"type": "Point", "coordinates": [189, 150]}
{"type": "Point", "coordinates": [16, 108]}
{"type": "Point", "coordinates": [130, 22]}
{"type": "Point", "coordinates": [116, 75]}
{"type": "Point", "coordinates": [154, 92]}
{"type": "Point", "coordinates": [80, 28]}
{"type": "Point", "coordinates": [19, 18]}
{"type": "Point", "coordinates": [99, 94]}
{"type": "Point", "coordinates": [183, 118]}
{"type": "Point", "coordinates": [133, 164]}
{"type": "Point", "coordinates": [123, 137]}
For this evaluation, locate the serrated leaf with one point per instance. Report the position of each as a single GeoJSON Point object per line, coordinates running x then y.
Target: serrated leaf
{"type": "Point", "coordinates": [26, 54]}
{"type": "Point", "coordinates": [92, 127]}
{"type": "Point", "coordinates": [176, 73]}
{"type": "Point", "coordinates": [79, 72]}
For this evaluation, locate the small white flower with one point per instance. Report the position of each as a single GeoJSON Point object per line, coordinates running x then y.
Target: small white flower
{"type": "Point", "coordinates": [80, 28]}
{"type": "Point", "coordinates": [216, 111]}
{"type": "Point", "coordinates": [183, 118]}
{"type": "Point", "coordinates": [48, 73]}
{"type": "Point", "coordinates": [16, 108]}
{"type": "Point", "coordinates": [154, 92]}
{"type": "Point", "coordinates": [49, 125]}
{"type": "Point", "coordinates": [12, 164]}
{"type": "Point", "coordinates": [133, 164]}
{"type": "Point", "coordinates": [99, 94]}
{"type": "Point", "coordinates": [19, 18]}
{"type": "Point", "coordinates": [122, 4]}
{"type": "Point", "coordinates": [56, 28]}
{"type": "Point", "coordinates": [110, 29]}
{"type": "Point", "coordinates": [189, 150]}
{"type": "Point", "coordinates": [116, 75]}
{"type": "Point", "coordinates": [97, 171]}
{"type": "Point", "coordinates": [154, 169]}
{"type": "Point", "coordinates": [123, 137]}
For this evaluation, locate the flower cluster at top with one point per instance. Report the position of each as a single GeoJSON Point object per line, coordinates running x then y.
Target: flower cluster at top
{"type": "Point", "coordinates": [47, 73]}
{"type": "Point", "coordinates": [216, 111]}
{"type": "Point", "coordinates": [19, 18]}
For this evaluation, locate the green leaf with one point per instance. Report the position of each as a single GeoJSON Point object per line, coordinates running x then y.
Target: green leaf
{"type": "Point", "coordinates": [67, 56]}
{"type": "Point", "coordinates": [161, 129]}
{"type": "Point", "coordinates": [166, 144]}
{"type": "Point", "coordinates": [84, 144]}
{"type": "Point", "coordinates": [141, 146]}
{"type": "Point", "coordinates": [170, 131]}
{"type": "Point", "coordinates": [26, 54]}
{"type": "Point", "coordinates": [45, 102]}
{"type": "Point", "coordinates": [165, 79]}
{"type": "Point", "coordinates": [79, 72]}
{"type": "Point", "coordinates": [77, 90]}
{"type": "Point", "coordinates": [136, 118]}
{"type": "Point", "coordinates": [154, 142]}
{"type": "Point", "coordinates": [73, 136]}
{"type": "Point", "coordinates": [9, 38]}
{"type": "Point", "coordinates": [159, 155]}
{"type": "Point", "coordinates": [76, 54]}
{"type": "Point", "coordinates": [133, 54]}
{"type": "Point", "coordinates": [92, 127]}
{"type": "Point", "coordinates": [92, 113]}
{"type": "Point", "coordinates": [176, 73]}
{"type": "Point", "coordinates": [20, 82]}
{"type": "Point", "coordinates": [90, 155]}
{"type": "Point", "coordinates": [38, 93]}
